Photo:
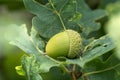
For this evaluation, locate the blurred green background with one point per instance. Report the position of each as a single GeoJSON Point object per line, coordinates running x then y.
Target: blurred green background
{"type": "Point", "coordinates": [14, 12]}
{"type": "Point", "coordinates": [11, 12]}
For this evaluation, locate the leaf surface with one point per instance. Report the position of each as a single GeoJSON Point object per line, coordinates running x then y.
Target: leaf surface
{"type": "Point", "coordinates": [97, 69]}
{"type": "Point", "coordinates": [59, 15]}
{"type": "Point", "coordinates": [25, 42]}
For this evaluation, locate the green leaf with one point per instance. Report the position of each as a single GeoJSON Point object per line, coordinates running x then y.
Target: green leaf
{"type": "Point", "coordinates": [56, 73]}
{"type": "Point", "coordinates": [113, 8]}
{"type": "Point", "coordinates": [25, 42]}
{"type": "Point", "coordinates": [60, 14]}
{"type": "Point", "coordinates": [37, 40]}
{"type": "Point", "coordinates": [20, 38]}
{"type": "Point", "coordinates": [54, 17]}
{"type": "Point", "coordinates": [31, 68]}
{"type": "Point", "coordinates": [97, 70]}
{"type": "Point", "coordinates": [95, 49]}
{"type": "Point", "coordinates": [104, 3]}
{"type": "Point", "coordinates": [43, 23]}
{"type": "Point", "coordinates": [114, 31]}
{"type": "Point", "coordinates": [20, 70]}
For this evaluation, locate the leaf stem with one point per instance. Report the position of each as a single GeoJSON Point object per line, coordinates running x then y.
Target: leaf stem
{"type": "Point", "coordinates": [95, 72]}
{"type": "Point", "coordinates": [74, 67]}
{"type": "Point", "coordinates": [58, 14]}
{"type": "Point", "coordinates": [64, 68]}
{"type": "Point", "coordinates": [73, 76]}
{"type": "Point", "coordinates": [73, 72]}
{"type": "Point", "coordinates": [61, 21]}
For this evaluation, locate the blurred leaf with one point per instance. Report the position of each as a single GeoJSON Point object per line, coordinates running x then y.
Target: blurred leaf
{"type": "Point", "coordinates": [11, 59]}
{"type": "Point", "coordinates": [112, 28]}
{"type": "Point", "coordinates": [104, 3]}
{"type": "Point", "coordinates": [93, 4]}
{"type": "Point", "coordinates": [13, 4]}
{"type": "Point", "coordinates": [113, 8]}
{"type": "Point", "coordinates": [56, 73]}
{"type": "Point", "coordinates": [20, 70]}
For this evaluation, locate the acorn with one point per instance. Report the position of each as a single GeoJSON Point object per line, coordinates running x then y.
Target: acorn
{"type": "Point", "coordinates": [64, 44]}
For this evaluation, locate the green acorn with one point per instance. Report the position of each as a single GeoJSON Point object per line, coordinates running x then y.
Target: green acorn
{"type": "Point", "coordinates": [64, 44]}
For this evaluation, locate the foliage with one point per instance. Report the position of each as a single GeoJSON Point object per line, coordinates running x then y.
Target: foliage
{"type": "Point", "coordinates": [114, 19]}
{"type": "Point", "coordinates": [57, 16]}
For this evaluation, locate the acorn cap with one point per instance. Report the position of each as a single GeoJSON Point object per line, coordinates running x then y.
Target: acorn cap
{"type": "Point", "coordinates": [75, 43]}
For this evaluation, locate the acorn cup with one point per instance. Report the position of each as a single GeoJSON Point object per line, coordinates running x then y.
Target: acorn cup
{"type": "Point", "coordinates": [64, 44]}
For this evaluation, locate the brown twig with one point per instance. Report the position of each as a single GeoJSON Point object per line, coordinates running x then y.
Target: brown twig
{"type": "Point", "coordinates": [73, 76]}
{"type": "Point", "coordinates": [85, 78]}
